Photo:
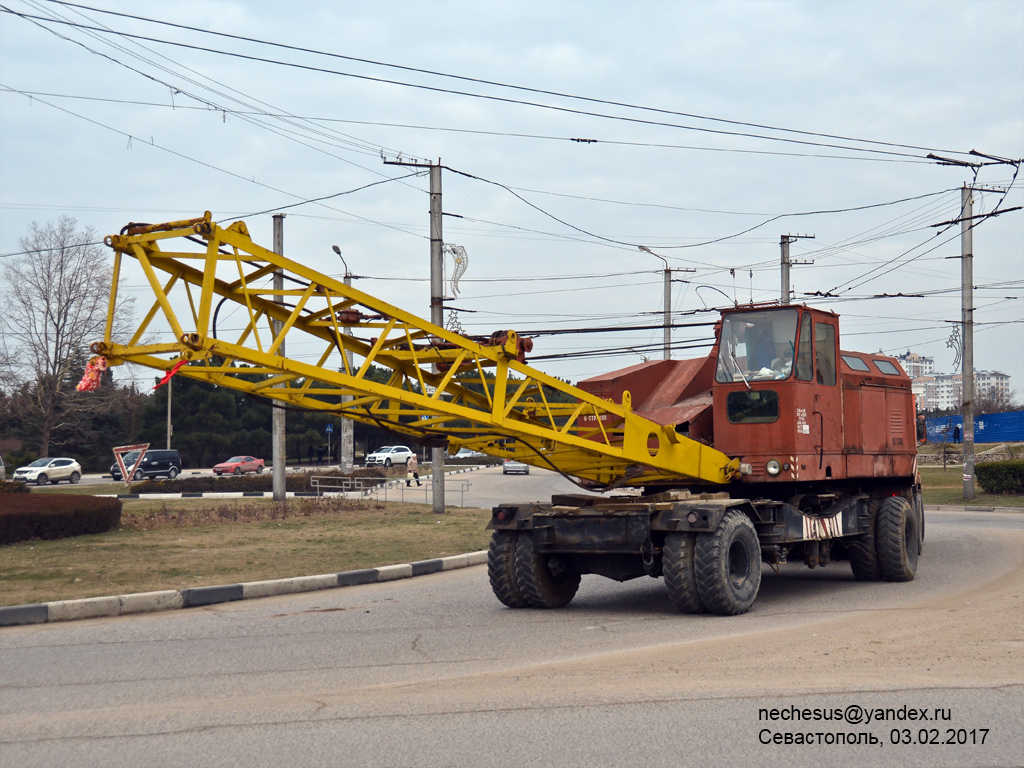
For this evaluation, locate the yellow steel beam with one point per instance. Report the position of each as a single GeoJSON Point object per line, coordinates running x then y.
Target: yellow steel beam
{"type": "Point", "coordinates": [482, 395]}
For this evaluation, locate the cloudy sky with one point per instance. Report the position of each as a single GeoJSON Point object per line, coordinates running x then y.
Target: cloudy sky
{"type": "Point", "coordinates": [712, 129]}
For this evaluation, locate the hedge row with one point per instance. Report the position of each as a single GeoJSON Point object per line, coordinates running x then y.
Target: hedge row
{"type": "Point", "coordinates": [56, 516]}
{"type": "Point", "coordinates": [1001, 476]}
{"type": "Point", "coordinates": [9, 486]}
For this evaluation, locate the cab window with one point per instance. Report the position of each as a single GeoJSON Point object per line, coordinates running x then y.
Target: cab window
{"type": "Point", "coordinates": [804, 358]}
{"type": "Point", "coordinates": [752, 406]}
{"type": "Point", "coordinates": [825, 353]}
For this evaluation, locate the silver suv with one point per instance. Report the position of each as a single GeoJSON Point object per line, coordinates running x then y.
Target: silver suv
{"type": "Point", "coordinates": [43, 471]}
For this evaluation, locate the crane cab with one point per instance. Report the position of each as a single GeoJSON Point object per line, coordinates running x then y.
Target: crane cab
{"type": "Point", "coordinates": [796, 408]}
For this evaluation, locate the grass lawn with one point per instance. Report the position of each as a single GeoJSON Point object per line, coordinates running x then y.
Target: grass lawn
{"type": "Point", "coordinates": [200, 542]}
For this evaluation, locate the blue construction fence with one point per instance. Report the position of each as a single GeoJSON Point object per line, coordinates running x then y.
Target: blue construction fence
{"type": "Point", "coordinates": [990, 428]}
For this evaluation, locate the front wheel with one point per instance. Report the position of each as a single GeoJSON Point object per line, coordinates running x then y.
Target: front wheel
{"type": "Point", "coordinates": [75, 477]}
{"type": "Point", "coordinates": [545, 581]}
{"type": "Point", "coordinates": [677, 567]}
{"type": "Point", "coordinates": [897, 537]}
{"type": "Point", "coordinates": [42, 480]}
{"type": "Point", "coordinates": [501, 568]}
{"type": "Point", "coordinates": [387, 462]}
{"type": "Point", "coordinates": [727, 565]}
{"type": "Point", "coordinates": [238, 470]}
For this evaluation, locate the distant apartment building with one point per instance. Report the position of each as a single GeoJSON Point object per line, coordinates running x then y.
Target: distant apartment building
{"type": "Point", "coordinates": [916, 365]}
{"type": "Point", "coordinates": [944, 391]}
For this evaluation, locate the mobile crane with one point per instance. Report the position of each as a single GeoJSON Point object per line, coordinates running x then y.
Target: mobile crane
{"type": "Point", "coordinates": [777, 446]}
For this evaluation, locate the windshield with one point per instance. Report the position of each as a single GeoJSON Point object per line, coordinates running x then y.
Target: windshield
{"type": "Point", "coordinates": [130, 458]}
{"type": "Point", "coordinates": [235, 460]}
{"type": "Point", "coordinates": [40, 463]}
{"type": "Point", "coordinates": [385, 449]}
{"type": "Point", "coordinates": [757, 346]}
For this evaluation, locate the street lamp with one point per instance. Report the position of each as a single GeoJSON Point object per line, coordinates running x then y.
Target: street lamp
{"type": "Point", "coordinates": [346, 449]}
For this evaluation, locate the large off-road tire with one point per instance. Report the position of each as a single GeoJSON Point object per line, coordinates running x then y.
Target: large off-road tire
{"type": "Point", "coordinates": [42, 480]}
{"type": "Point", "coordinates": [918, 505]}
{"type": "Point", "coordinates": [544, 581]}
{"type": "Point", "coordinates": [727, 565]}
{"type": "Point", "coordinates": [172, 473]}
{"type": "Point", "coordinates": [677, 568]}
{"type": "Point", "coordinates": [501, 568]}
{"type": "Point", "coordinates": [75, 477]}
{"type": "Point", "coordinates": [897, 539]}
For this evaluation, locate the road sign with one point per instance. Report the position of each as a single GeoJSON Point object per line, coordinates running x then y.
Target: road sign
{"type": "Point", "coordinates": [329, 428]}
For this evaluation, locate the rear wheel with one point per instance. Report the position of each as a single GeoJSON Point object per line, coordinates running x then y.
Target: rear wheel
{"type": "Point", "coordinates": [727, 565]}
{"type": "Point", "coordinates": [501, 568]}
{"type": "Point", "coordinates": [677, 567]}
{"type": "Point", "coordinates": [864, 555]}
{"type": "Point", "coordinates": [172, 473]}
{"type": "Point", "coordinates": [75, 477]}
{"type": "Point", "coordinates": [259, 470]}
{"type": "Point", "coordinates": [545, 581]}
{"type": "Point", "coordinates": [42, 480]}
{"type": "Point", "coordinates": [897, 539]}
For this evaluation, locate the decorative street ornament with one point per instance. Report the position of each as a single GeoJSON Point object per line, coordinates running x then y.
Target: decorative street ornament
{"type": "Point", "coordinates": [954, 343]}
{"type": "Point", "coordinates": [461, 259]}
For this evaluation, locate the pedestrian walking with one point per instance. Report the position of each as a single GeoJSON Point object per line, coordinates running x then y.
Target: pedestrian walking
{"type": "Point", "coordinates": [411, 471]}
{"type": "Point", "coordinates": [956, 434]}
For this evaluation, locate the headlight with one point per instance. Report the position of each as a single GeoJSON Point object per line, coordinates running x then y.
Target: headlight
{"type": "Point", "coordinates": [773, 467]}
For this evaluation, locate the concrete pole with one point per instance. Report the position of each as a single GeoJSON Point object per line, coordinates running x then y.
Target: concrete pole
{"type": "Point", "coordinates": [278, 437]}
{"type": "Point", "coordinates": [348, 446]}
{"type": "Point", "coordinates": [967, 317]}
{"type": "Point", "coordinates": [784, 242]}
{"type": "Point", "coordinates": [667, 344]}
{"type": "Point", "coordinates": [170, 389]}
{"type": "Point", "coordinates": [436, 316]}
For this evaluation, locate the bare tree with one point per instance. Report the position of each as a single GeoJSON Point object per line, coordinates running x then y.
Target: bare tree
{"type": "Point", "coordinates": [54, 304]}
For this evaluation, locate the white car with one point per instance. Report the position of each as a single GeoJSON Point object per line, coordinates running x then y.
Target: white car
{"type": "Point", "coordinates": [43, 471]}
{"type": "Point", "coordinates": [389, 455]}
{"type": "Point", "coordinates": [511, 466]}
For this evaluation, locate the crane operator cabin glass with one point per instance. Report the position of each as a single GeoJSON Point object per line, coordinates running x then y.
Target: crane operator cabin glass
{"type": "Point", "coordinates": [757, 346]}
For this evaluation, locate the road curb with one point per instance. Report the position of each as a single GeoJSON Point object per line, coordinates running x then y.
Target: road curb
{"type": "Point", "coordinates": [196, 597]}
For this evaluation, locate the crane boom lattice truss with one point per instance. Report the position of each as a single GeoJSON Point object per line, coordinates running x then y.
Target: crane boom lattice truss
{"type": "Point", "coordinates": [483, 395]}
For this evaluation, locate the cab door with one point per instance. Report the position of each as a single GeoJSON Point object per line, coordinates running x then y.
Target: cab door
{"type": "Point", "coordinates": [827, 415]}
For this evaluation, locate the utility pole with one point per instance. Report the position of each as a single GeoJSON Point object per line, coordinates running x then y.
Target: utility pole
{"type": "Point", "coordinates": [667, 315]}
{"type": "Point", "coordinates": [170, 383]}
{"type": "Point", "coordinates": [967, 317]}
{"type": "Point", "coordinates": [784, 242]}
{"type": "Point", "coordinates": [278, 438]}
{"type": "Point", "coordinates": [436, 302]}
{"type": "Point", "coordinates": [347, 457]}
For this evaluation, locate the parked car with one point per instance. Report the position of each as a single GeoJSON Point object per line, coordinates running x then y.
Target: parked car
{"type": "Point", "coordinates": [466, 453]}
{"type": "Point", "coordinates": [45, 471]}
{"type": "Point", "coordinates": [239, 465]}
{"type": "Point", "coordinates": [155, 463]}
{"type": "Point", "coordinates": [389, 455]}
{"type": "Point", "coordinates": [3, 469]}
{"type": "Point", "coordinates": [511, 466]}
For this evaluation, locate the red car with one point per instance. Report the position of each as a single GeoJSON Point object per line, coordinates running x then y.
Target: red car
{"type": "Point", "coordinates": [239, 465]}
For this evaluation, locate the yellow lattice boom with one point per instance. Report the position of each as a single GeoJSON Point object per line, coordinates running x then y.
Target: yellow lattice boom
{"type": "Point", "coordinates": [442, 386]}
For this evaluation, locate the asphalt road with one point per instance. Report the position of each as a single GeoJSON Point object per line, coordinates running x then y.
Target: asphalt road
{"type": "Point", "coordinates": [435, 672]}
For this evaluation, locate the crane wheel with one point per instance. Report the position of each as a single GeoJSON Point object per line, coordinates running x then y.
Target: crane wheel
{"type": "Point", "coordinates": [897, 538]}
{"type": "Point", "coordinates": [501, 569]}
{"type": "Point", "coordinates": [864, 555]}
{"type": "Point", "coordinates": [545, 581]}
{"type": "Point", "coordinates": [677, 567]}
{"type": "Point", "coordinates": [727, 565]}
